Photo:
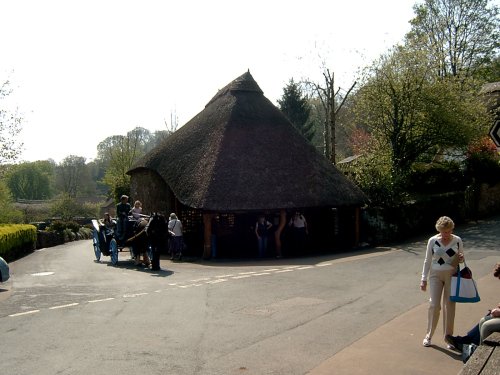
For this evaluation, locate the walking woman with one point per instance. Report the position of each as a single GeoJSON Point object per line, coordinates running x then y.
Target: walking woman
{"type": "Point", "coordinates": [176, 238]}
{"type": "Point", "coordinates": [444, 252]}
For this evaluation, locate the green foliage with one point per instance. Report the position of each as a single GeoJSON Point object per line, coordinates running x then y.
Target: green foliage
{"type": "Point", "coordinates": [61, 226]}
{"type": "Point", "coordinates": [72, 175]}
{"type": "Point", "coordinates": [16, 240]}
{"type": "Point", "coordinates": [372, 173]}
{"type": "Point", "coordinates": [459, 37]}
{"type": "Point", "coordinates": [8, 213]}
{"type": "Point", "coordinates": [67, 208]}
{"type": "Point", "coordinates": [410, 112]}
{"type": "Point", "coordinates": [10, 127]}
{"type": "Point", "coordinates": [436, 178]}
{"type": "Point", "coordinates": [119, 153]}
{"type": "Point", "coordinates": [296, 107]}
{"type": "Point", "coordinates": [31, 180]}
{"type": "Point", "coordinates": [483, 162]}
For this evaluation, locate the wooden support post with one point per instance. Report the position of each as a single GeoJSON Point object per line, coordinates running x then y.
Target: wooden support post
{"type": "Point", "coordinates": [277, 234]}
{"type": "Point", "coordinates": [207, 235]}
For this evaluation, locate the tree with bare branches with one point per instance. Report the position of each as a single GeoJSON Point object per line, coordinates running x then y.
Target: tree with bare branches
{"type": "Point", "coordinates": [329, 99]}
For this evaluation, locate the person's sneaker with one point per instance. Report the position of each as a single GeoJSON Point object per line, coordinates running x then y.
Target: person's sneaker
{"type": "Point", "coordinates": [427, 341]}
{"type": "Point", "coordinates": [454, 343]}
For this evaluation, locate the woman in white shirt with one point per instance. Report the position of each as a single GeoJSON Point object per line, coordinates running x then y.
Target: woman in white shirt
{"type": "Point", "coordinates": [444, 252]}
{"type": "Point", "coordinates": [176, 239]}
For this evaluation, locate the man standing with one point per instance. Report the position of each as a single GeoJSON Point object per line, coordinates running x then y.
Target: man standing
{"type": "Point", "coordinates": [122, 210]}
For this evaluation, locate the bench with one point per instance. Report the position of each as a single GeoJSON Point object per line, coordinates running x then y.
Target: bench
{"type": "Point", "coordinates": [486, 358]}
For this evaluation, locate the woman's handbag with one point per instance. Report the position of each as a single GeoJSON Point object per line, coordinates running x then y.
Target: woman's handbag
{"type": "Point", "coordinates": [463, 286]}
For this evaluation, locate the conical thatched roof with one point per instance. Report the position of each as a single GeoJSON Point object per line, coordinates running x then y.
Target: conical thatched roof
{"type": "Point", "coordinates": [241, 153]}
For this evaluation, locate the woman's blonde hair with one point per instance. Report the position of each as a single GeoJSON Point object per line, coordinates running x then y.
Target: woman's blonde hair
{"type": "Point", "coordinates": [444, 223]}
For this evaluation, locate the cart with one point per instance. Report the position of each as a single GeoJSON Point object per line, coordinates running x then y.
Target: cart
{"type": "Point", "coordinates": [106, 242]}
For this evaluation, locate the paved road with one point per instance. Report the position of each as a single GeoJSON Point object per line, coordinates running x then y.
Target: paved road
{"type": "Point", "coordinates": [71, 315]}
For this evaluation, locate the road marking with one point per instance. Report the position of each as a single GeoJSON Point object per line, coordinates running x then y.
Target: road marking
{"type": "Point", "coordinates": [215, 281]}
{"type": "Point", "coordinates": [101, 300]}
{"type": "Point", "coordinates": [63, 306]}
{"type": "Point", "coordinates": [189, 285]}
{"type": "Point", "coordinates": [25, 313]}
{"type": "Point", "coordinates": [42, 274]}
{"type": "Point", "coordinates": [133, 295]}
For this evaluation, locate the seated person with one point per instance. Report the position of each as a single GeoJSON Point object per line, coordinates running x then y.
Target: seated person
{"type": "Point", "coordinates": [107, 221]}
{"type": "Point", "coordinates": [136, 211]}
{"type": "Point", "coordinates": [486, 326]}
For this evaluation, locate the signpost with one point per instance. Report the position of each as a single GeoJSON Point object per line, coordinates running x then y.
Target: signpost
{"type": "Point", "coordinates": [495, 133]}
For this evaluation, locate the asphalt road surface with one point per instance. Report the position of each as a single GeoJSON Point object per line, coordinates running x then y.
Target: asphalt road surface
{"type": "Point", "coordinates": [63, 313]}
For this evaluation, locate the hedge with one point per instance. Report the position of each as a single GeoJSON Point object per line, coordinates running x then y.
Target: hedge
{"type": "Point", "coordinates": [16, 240]}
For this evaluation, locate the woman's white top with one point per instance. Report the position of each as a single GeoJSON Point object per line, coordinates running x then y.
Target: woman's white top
{"type": "Point", "coordinates": [439, 257]}
{"type": "Point", "coordinates": [176, 227]}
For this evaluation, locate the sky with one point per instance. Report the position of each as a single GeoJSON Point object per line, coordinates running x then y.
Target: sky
{"type": "Point", "coordinates": [82, 71]}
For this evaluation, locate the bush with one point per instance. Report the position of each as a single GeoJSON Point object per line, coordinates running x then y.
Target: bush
{"type": "Point", "coordinates": [436, 178]}
{"type": "Point", "coordinates": [62, 226]}
{"type": "Point", "coordinates": [16, 240]}
{"type": "Point", "coordinates": [483, 162]}
{"type": "Point", "coordinates": [482, 169]}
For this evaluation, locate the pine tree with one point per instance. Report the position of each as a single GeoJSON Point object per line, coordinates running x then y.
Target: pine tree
{"type": "Point", "coordinates": [295, 105]}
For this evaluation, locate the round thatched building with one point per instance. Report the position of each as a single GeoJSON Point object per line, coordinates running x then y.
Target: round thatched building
{"type": "Point", "coordinates": [237, 158]}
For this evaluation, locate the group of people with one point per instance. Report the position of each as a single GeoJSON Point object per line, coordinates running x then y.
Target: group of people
{"type": "Point", "coordinates": [299, 232]}
{"type": "Point", "coordinates": [123, 211]}
{"type": "Point", "coordinates": [443, 254]}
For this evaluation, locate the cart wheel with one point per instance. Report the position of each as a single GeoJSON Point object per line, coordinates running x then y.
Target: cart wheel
{"type": "Point", "coordinates": [113, 249]}
{"type": "Point", "coordinates": [97, 250]}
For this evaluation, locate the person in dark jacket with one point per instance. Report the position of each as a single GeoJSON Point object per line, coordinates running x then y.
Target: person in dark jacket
{"type": "Point", "coordinates": [262, 227]}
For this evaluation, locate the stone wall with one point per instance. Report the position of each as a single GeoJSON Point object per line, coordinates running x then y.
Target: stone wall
{"type": "Point", "coordinates": [489, 200]}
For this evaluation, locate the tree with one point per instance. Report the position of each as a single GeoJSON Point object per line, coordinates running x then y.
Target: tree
{"type": "Point", "coordinates": [31, 180]}
{"type": "Point", "coordinates": [71, 174]}
{"type": "Point", "coordinates": [328, 98]}
{"type": "Point", "coordinates": [460, 36]}
{"type": "Point", "coordinates": [296, 106]}
{"type": "Point", "coordinates": [410, 112]}
{"type": "Point", "coordinates": [119, 153]}
{"type": "Point", "coordinates": [8, 214]}
{"type": "Point", "coordinates": [10, 127]}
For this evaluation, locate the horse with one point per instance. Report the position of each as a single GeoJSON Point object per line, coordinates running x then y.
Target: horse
{"type": "Point", "coordinates": [157, 231]}
{"type": "Point", "coordinates": [140, 242]}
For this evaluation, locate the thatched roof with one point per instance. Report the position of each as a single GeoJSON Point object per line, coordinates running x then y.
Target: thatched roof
{"type": "Point", "coordinates": [241, 153]}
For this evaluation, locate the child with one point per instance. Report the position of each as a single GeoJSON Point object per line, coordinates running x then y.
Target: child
{"type": "Point", "coordinates": [136, 210]}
